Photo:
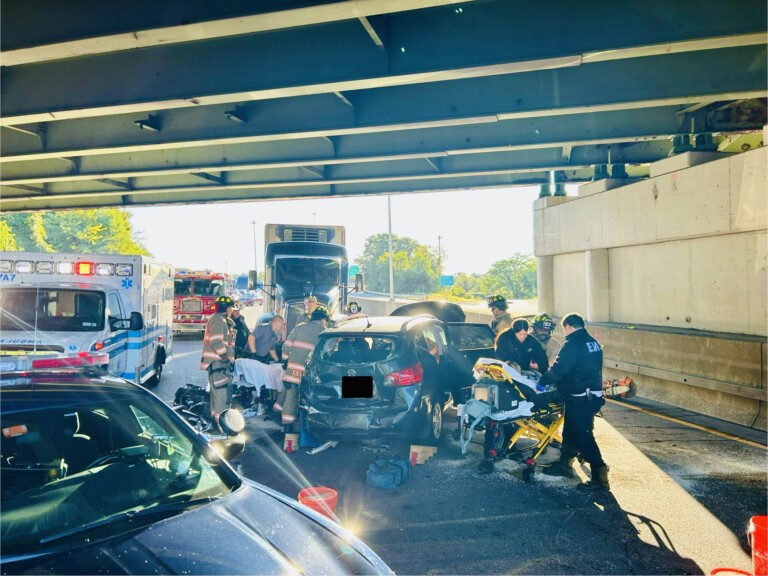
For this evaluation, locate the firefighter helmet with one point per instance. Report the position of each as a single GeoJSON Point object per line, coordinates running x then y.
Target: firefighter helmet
{"type": "Point", "coordinates": [224, 302]}
{"type": "Point", "coordinates": [544, 322]}
{"type": "Point", "coordinates": [320, 313]}
{"type": "Point", "coordinates": [497, 301]}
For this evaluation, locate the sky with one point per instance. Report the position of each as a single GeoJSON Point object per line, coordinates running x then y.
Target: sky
{"type": "Point", "coordinates": [476, 227]}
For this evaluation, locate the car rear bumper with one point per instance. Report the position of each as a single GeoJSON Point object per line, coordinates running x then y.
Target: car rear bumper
{"type": "Point", "coordinates": [364, 424]}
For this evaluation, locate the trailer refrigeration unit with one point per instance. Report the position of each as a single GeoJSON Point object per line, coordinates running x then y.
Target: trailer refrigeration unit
{"type": "Point", "coordinates": [79, 303]}
{"type": "Point", "coordinates": [302, 261]}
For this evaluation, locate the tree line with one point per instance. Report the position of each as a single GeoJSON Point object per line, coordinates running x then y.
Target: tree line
{"type": "Point", "coordinates": [416, 270]}
{"type": "Point", "coordinates": [416, 266]}
{"type": "Point", "coordinates": [96, 231]}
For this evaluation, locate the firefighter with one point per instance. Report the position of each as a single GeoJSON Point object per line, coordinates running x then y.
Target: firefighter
{"type": "Point", "coordinates": [219, 355]}
{"type": "Point", "coordinates": [310, 304]}
{"type": "Point", "coordinates": [300, 342]}
{"type": "Point", "coordinates": [501, 318]}
{"type": "Point", "coordinates": [542, 328]}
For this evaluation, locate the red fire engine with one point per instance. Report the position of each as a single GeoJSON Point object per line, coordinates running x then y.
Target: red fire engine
{"type": "Point", "coordinates": [194, 297]}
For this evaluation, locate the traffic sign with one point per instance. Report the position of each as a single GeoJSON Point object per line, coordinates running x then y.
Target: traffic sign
{"type": "Point", "coordinates": [446, 280]}
{"type": "Point", "coordinates": [354, 270]}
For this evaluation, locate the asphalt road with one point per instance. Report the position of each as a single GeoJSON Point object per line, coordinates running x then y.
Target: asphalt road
{"type": "Point", "coordinates": [680, 503]}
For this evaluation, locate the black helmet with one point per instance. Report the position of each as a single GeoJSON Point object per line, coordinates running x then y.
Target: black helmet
{"type": "Point", "coordinates": [544, 322]}
{"type": "Point", "coordinates": [224, 302]}
{"type": "Point", "coordinates": [320, 313]}
{"type": "Point", "coordinates": [497, 301]}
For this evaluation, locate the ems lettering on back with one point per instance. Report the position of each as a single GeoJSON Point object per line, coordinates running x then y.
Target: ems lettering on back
{"type": "Point", "coordinates": [593, 347]}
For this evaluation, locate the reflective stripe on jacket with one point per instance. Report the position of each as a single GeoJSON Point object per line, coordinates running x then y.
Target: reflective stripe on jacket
{"type": "Point", "coordinates": [219, 340]}
{"type": "Point", "coordinates": [300, 342]}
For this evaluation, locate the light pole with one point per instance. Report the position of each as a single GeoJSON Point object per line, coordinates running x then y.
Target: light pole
{"type": "Point", "coordinates": [391, 262]}
{"type": "Point", "coordinates": [255, 251]}
{"type": "Point", "coordinates": [439, 256]}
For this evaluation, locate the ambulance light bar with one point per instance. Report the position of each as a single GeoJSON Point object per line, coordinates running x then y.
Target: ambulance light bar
{"type": "Point", "coordinates": [80, 268]}
{"type": "Point", "coordinates": [27, 363]}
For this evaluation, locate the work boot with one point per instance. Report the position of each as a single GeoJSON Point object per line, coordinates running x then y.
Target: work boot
{"type": "Point", "coordinates": [563, 467]}
{"type": "Point", "coordinates": [599, 479]}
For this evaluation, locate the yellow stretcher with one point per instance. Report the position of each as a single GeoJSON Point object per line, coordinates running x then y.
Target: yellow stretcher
{"type": "Point", "coordinates": [520, 418]}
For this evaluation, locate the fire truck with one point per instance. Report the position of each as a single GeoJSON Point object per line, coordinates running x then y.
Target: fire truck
{"type": "Point", "coordinates": [194, 297]}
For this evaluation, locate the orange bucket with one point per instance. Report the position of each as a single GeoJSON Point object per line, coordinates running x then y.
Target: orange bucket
{"type": "Point", "coordinates": [758, 540]}
{"type": "Point", "coordinates": [320, 499]}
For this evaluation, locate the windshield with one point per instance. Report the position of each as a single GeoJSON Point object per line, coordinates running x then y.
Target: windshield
{"type": "Point", "coordinates": [198, 287]}
{"type": "Point", "coordinates": [53, 309]}
{"type": "Point", "coordinates": [93, 461]}
{"type": "Point", "coordinates": [306, 271]}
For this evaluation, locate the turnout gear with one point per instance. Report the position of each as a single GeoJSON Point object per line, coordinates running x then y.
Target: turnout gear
{"type": "Point", "coordinates": [296, 349]}
{"type": "Point", "coordinates": [217, 358]}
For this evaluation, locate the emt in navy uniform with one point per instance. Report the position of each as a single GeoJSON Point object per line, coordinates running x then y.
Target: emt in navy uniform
{"type": "Point", "coordinates": [577, 373]}
{"type": "Point", "coordinates": [516, 345]}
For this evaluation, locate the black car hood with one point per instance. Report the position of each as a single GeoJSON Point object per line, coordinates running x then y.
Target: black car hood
{"type": "Point", "coordinates": [441, 309]}
{"type": "Point", "coordinates": [252, 531]}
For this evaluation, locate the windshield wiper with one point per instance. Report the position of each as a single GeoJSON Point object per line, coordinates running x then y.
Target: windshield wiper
{"type": "Point", "coordinates": [174, 507]}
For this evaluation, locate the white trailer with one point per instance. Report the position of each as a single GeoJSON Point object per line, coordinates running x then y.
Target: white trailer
{"type": "Point", "coordinates": [80, 303]}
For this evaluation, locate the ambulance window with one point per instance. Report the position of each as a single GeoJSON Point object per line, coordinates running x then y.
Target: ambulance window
{"type": "Point", "coordinates": [113, 307]}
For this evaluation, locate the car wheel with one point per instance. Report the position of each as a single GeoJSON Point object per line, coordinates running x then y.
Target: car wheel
{"type": "Point", "coordinates": [435, 424]}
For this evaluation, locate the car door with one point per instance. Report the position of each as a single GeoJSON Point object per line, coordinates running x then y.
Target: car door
{"type": "Point", "coordinates": [466, 343]}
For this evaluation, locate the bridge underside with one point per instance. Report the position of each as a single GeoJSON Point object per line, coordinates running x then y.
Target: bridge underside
{"type": "Point", "coordinates": [115, 104]}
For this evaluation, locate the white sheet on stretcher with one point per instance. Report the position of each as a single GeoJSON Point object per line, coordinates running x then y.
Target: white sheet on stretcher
{"type": "Point", "coordinates": [259, 375]}
{"type": "Point", "coordinates": [510, 371]}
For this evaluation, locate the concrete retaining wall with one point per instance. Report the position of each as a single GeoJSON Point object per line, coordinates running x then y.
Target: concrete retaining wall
{"type": "Point", "coordinates": [680, 259]}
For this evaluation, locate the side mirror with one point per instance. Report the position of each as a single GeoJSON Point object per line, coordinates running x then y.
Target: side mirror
{"type": "Point", "coordinates": [253, 280]}
{"type": "Point", "coordinates": [359, 283]}
{"type": "Point", "coordinates": [136, 322]}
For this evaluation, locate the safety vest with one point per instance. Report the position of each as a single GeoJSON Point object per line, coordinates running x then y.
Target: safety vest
{"type": "Point", "coordinates": [301, 341]}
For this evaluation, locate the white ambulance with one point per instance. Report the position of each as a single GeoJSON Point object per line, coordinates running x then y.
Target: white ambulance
{"type": "Point", "coordinates": [80, 303]}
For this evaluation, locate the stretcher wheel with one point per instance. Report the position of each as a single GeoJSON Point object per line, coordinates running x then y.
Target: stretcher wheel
{"type": "Point", "coordinates": [528, 474]}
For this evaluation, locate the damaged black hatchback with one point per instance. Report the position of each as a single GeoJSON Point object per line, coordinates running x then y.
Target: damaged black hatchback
{"type": "Point", "coordinates": [390, 375]}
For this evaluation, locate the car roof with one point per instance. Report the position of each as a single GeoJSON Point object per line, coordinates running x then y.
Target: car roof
{"type": "Point", "coordinates": [376, 324]}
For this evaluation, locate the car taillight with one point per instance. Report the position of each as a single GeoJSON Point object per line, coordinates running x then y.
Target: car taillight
{"type": "Point", "coordinates": [405, 377]}
{"type": "Point", "coordinates": [70, 361]}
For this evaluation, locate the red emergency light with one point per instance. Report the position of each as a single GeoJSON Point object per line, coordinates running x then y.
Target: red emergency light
{"type": "Point", "coordinates": [85, 268]}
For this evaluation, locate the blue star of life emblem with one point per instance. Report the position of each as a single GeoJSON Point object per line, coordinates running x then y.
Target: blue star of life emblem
{"type": "Point", "coordinates": [127, 283]}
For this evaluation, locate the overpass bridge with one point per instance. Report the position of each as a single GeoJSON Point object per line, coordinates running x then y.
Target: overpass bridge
{"type": "Point", "coordinates": [656, 109]}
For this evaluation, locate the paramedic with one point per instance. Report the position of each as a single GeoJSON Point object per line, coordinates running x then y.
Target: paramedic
{"type": "Point", "coordinates": [219, 355]}
{"type": "Point", "coordinates": [577, 372]}
{"type": "Point", "coordinates": [501, 318]}
{"type": "Point", "coordinates": [516, 345]}
{"type": "Point", "coordinates": [300, 342]}
{"type": "Point", "coordinates": [543, 327]}
{"type": "Point", "coordinates": [263, 339]}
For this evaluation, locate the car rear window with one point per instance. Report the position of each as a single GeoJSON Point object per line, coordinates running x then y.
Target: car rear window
{"type": "Point", "coordinates": [356, 349]}
{"type": "Point", "coordinates": [469, 336]}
